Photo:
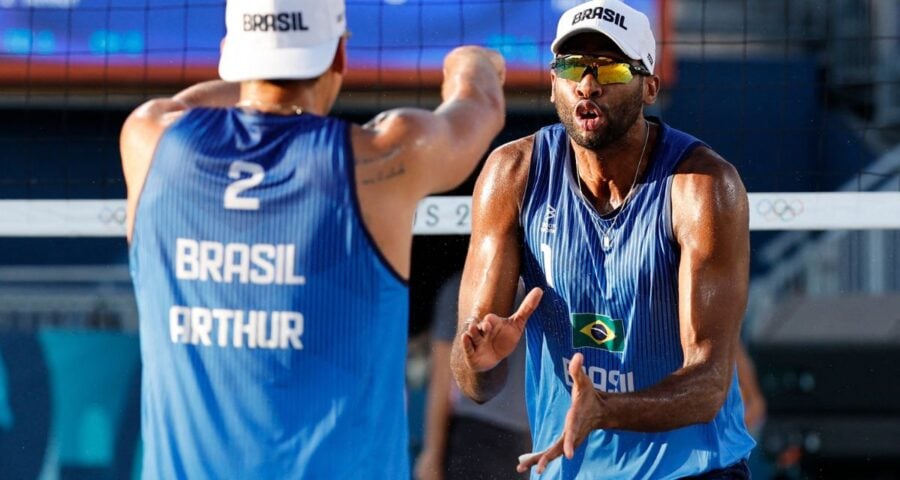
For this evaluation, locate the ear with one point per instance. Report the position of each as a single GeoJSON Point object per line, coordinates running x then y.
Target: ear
{"type": "Point", "coordinates": [651, 89]}
{"type": "Point", "coordinates": [339, 65]}
{"type": "Point", "coordinates": [552, 86]}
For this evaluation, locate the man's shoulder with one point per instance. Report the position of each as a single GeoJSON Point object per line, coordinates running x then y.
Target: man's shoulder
{"type": "Point", "coordinates": [705, 161]}
{"type": "Point", "coordinates": [509, 163]}
{"type": "Point", "coordinates": [521, 149]}
{"type": "Point", "coordinates": [518, 149]}
{"type": "Point", "coordinates": [157, 113]}
{"type": "Point", "coordinates": [705, 178]}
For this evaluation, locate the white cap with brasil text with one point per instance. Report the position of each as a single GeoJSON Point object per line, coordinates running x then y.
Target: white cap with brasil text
{"type": "Point", "coordinates": [280, 39]}
{"type": "Point", "coordinates": [625, 26]}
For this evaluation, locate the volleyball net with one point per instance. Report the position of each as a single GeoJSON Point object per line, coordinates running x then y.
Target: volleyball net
{"type": "Point", "coordinates": [451, 215]}
{"type": "Point", "coordinates": [800, 95]}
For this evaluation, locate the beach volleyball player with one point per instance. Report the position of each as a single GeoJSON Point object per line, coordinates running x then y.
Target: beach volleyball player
{"type": "Point", "coordinates": [638, 236]}
{"type": "Point", "coordinates": [270, 250]}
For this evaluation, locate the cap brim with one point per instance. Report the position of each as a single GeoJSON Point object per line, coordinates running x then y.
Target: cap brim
{"type": "Point", "coordinates": [242, 62]}
{"type": "Point", "coordinates": [630, 52]}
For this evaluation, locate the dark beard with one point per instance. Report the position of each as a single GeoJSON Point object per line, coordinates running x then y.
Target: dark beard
{"type": "Point", "coordinates": [619, 120]}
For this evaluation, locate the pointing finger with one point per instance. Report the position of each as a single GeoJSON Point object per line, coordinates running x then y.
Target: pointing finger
{"type": "Point", "coordinates": [576, 371]}
{"type": "Point", "coordinates": [575, 364]}
{"type": "Point", "coordinates": [529, 305]}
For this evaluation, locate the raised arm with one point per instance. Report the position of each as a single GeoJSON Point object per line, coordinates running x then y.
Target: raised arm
{"type": "Point", "coordinates": [433, 151]}
{"type": "Point", "coordinates": [491, 274]}
{"type": "Point", "coordinates": [403, 155]}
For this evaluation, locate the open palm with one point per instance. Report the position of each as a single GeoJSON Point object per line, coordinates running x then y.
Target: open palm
{"type": "Point", "coordinates": [492, 338]}
{"type": "Point", "coordinates": [580, 419]}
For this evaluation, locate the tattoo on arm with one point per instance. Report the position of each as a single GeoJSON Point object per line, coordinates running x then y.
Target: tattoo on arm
{"type": "Point", "coordinates": [378, 158]}
{"type": "Point", "coordinates": [385, 174]}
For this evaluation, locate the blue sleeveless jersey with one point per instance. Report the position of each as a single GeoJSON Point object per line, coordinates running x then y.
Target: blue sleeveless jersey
{"type": "Point", "coordinates": [273, 334]}
{"type": "Point", "coordinates": [619, 308]}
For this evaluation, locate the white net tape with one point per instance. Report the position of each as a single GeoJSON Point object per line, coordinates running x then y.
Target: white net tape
{"type": "Point", "coordinates": [452, 215]}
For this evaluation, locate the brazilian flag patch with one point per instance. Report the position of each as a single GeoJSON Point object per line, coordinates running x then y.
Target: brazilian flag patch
{"type": "Point", "coordinates": [593, 330]}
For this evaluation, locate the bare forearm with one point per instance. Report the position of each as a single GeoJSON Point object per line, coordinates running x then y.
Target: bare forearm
{"type": "Point", "coordinates": [473, 89]}
{"type": "Point", "coordinates": [438, 408]}
{"type": "Point", "coordinates": [479, 386]}
{"type": "Point", "coordinates": [214, 93]}
{"type": "Point", "coordinates": [690, 395]}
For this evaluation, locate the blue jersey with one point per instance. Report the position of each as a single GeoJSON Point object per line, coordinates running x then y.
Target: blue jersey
{"type": "Point", "coordinates": [617, 304]}
{"type": "Point", "coordinates": [273, 333]}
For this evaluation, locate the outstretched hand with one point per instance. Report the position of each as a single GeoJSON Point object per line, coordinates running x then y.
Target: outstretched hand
{"type": "Point", "coordinates": [488, 341]}
{"type": "Point", "coordinates": [587, 406]}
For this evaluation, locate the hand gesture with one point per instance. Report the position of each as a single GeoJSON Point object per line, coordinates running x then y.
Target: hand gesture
{"type": "Point", "coordinates": [493, 338]}
{"type": "Point", "coordinates": [587, 406]}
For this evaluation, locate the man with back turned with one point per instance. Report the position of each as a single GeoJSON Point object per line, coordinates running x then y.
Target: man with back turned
{"type": "Point", "coordinates": [270, 250]}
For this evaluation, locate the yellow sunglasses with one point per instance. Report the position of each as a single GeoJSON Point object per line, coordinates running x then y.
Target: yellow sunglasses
{"type": "Point", "coordinates": [605, 70]}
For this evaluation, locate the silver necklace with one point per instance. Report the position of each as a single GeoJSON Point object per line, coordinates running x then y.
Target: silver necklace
{"type": "Point", "coordinates": [606, 239]}
{"type": "Point", "coordinates": [269, 107]}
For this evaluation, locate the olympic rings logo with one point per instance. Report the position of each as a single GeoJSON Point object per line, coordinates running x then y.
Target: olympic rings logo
{"type": "Point", "coordinates": [112, 215]}
{"type": "Point", "coordinates": [780, 209]}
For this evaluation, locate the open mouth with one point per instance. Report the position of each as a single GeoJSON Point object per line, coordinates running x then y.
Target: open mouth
{"type": "Point", "coordinates": [588, 115]}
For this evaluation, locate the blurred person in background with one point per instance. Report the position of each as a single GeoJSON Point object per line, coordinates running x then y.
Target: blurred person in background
{"type": "Point", "coordinates": [751, 393]}
{"type": "Point", "coordinates": [270, 249]}
{"type": "Point", "coordinates": [465, 440]}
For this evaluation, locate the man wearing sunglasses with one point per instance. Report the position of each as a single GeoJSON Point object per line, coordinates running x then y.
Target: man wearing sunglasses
{"type": "Point", "coordinates": [633, 238]}
{"type": "Point", "coordinates": [270, 250]}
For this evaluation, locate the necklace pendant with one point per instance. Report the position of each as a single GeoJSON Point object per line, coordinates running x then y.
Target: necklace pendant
{"type": "Point", "coordinates": [606, 242]}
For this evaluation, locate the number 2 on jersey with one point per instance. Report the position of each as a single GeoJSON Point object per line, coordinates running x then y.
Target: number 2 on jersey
{"type": "Point", "coordinates": [233, 200]}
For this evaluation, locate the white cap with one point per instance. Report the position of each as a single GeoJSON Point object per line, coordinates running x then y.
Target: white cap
{"type": "Point", "coordinates": [625, 26]}
{"type": "Point", "coordinates": [280, 39]}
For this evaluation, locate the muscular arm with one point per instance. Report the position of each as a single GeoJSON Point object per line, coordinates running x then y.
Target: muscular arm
{"type": "Point", "coordinates": [491, 272]}
{"type": "Point", "coordinates": [711, 224]}
{"type": "Point", "coordinates": [405, 154]}
{"type": "Point", "coordinates": [423, 152]}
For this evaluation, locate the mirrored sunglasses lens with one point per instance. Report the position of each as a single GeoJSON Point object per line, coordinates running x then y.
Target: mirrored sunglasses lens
{"type": "Point", "coordinates": [605, 74]}
{"type": "Point", "coordinates": [570, 71]}
{"type": "Point", "coordinates": [616, 73]}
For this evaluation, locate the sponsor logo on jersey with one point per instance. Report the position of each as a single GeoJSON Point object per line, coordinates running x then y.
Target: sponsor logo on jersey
{"type": "Point", "coordinates": [603, 379]}
{"type": "Point", "coordinates": [593, 330]}
{"type": "Point", "coordinates": [549, 223]}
